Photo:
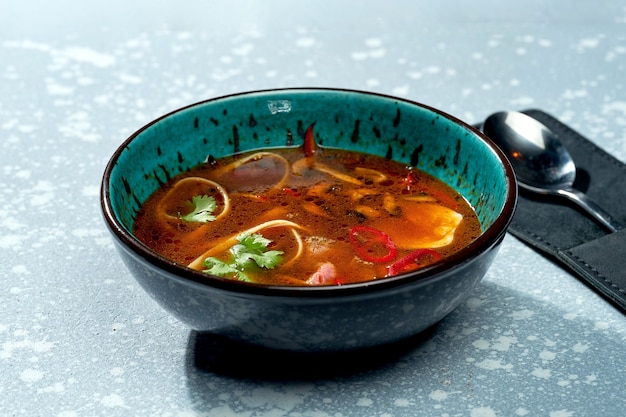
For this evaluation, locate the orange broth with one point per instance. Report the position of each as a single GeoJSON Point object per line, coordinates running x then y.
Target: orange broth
{"type": "Point", "coordinates": [337, 216]}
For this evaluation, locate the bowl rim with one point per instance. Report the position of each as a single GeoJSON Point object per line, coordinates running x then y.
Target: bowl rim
{"type": "Point", "coordinates": [487, 239]}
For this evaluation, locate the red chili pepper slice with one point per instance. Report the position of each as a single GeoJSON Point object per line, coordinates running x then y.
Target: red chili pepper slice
{"type": "Point", "coordinates": [412, 261]}
{"type": "Point", "coordinates": [291, 192]}
{"type": "Point", "coordinates": [309, 141]}
{"type": "Point", "coordinates": [410, 178]}
{"type": "Point", "coordinates": [372, 245]}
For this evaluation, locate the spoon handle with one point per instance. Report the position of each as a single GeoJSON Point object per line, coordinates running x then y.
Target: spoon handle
{"type": "Point", "coordinates": [592, 208]}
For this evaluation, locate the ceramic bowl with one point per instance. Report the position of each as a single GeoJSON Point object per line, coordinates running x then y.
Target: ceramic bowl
{"type": "Point", "coordinates": [328, 318]}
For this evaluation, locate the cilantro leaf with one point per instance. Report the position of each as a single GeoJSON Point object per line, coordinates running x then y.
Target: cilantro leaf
{"type": "Point", "coordinates": [246, 256]}
{"type": "Point", "coordinates": [254, 247]}
{"type": "Point", "coordinates": [203, 207]}
{"type": "Point", "coordinates": [219, 267]}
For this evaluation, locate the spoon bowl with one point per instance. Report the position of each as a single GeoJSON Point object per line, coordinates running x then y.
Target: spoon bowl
{"type": "Point", "coordinates": [540, 161]}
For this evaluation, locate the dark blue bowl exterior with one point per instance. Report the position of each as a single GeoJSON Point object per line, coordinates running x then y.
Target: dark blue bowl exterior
{"type": "Point", "coordinates": [320, 323]}
{"type": "Point", "coordinates": [305, 318]}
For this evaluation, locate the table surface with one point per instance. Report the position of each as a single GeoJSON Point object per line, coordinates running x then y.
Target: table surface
{"type": "Point", "coordinates": [79, 337]}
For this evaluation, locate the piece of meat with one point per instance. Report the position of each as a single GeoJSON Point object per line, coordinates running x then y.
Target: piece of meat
{"type": "Point", "coordinates": [325, 275]}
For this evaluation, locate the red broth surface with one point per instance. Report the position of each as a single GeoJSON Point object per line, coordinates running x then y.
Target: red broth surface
{"type": "Point", "coordinates": [282, 218]}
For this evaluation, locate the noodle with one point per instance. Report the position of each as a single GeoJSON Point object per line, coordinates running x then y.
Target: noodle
{"type": "Point", "coordinates": [232, 240]}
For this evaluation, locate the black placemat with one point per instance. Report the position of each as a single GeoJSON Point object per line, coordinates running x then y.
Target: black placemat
{"type": "Point", "coordinates": [564, 232]}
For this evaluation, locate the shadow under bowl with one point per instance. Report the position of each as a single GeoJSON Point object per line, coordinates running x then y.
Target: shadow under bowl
{"type": "Point", "coordinates": [310, 319]}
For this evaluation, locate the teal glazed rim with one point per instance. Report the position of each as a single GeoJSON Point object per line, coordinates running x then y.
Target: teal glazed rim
{"type": "Point", "coordinates": [399, 129]}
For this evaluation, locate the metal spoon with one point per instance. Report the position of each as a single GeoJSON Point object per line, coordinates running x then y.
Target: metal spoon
{"type": "Point", "coordinates": [541, 163]}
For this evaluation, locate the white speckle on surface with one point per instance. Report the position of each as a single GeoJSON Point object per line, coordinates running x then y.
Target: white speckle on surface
{"type": "Point", "coordinates": [482, 412]}
{"type": "Point", "coordinates": [23, 128]}
{"type": "Point", "coordinates": [84, 81]}
{"type": "Point", "coordinates": [401, 90]}
{"type": "Point", "coordinates": [504, 343]}
{"type": "Point", "coordinates": [31, 375]}
{"type": "Point", "coordinates": [546, 355]}
{"type": "Point", "coordinates": [184, 35]}
{"type": "Point", "coordinates": [570, 94]}
{"type": "Point", "coordinates": [587, 43]}
{"type": "Point", "coordinates": [84, 232]}
{"type": "Point", "coordinates": [561, 413]}
{"type": "Point", "coordinates": [10, 124]}
{"type": "Point", "coordinates": [112, 401]}
{"type": "Point", "coordinates": [521, 412]}
{"type": "Point", "coordinates": [20, 269]}
{"type": "Point", "coordinates": [494, 364]}
{"type": "Point", "coordinates": [541, 373]}
{"type": "Point", "coordinates": [305, 42]}
{"type": "Point", "coordinates": [23, 174]}
{"type": "Point", "coordinates": [601, 325]}
{"type": "Point", "coordinates": [524, 101]}
{"type": "Point", "coordinates": [11, 223]}
{"type": "Point", "coordinates": [374, 51]}
{"type": "Point", "coordinates": [615, 53]}
{"type": "Point", "coordinates": [438, 395]}
{"type": "Point", "coordinates": [474, 302]}
{"type": "Point", "coordinates": [90, 191]}
{"type": "Point", "coordinates": [590, 379]}
{"type": "Point", "coordinates": [570, 316]}
{"type": "Point", "coordinates": [373, 42]}
{"type": "Point", "coordinates": [364, 402]}
{"type": "Point", "coordinates": [11, 346]}
{"type": "Point", "coordinates": [117, 371]}
{"type": "Point", "coordinates": [90, 56]}
{"type": "Point", "coordinates": [580, 347]}
{"type": "Point", "coordinates": [481, 344]}
{"type": "Point", "coordinates": [57, 89]}
{"type": "Point", "coordinates": [244, 49]}
{"type": "Point", "coordinates": [283, 400]}
{"type": "Point", "coordinates": [11, 241]}
{"type": "Point", "coordinates": [78, 125]}
{"type": "Point", "coordinates": [550, 343]}
{"type": "Point", "coordinates": [359, 56]}
{"type": "Point", "coordinates": [56, 388]}
{"type": "Point", "coordinates": [526, 39]}
{"type": "Point", "coordinates": [522, 314]}
{"type": "Point", "coordinates": [469, 330]}
{"type": "Point", "coordinates": [129, 79]}
{"type": "Point", "coordinates": [402, 402]}
{"type": "Point", "coordinates": [415, 75]}
{"type": "Point", "coordinates": [614, 106]}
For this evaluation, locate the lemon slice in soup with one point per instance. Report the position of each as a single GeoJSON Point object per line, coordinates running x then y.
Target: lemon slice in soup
{"type": "Point", "coordinates": [422, 225]}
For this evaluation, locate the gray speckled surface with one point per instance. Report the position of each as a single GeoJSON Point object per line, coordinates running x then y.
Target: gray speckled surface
{"type": "Point", "coordinates": [78, 337]}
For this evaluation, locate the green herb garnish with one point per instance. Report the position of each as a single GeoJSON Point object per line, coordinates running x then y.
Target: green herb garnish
{"type": "Point", "coordinates": [249, 254]}
{"type": "Point", "coordinates": [203, 208]}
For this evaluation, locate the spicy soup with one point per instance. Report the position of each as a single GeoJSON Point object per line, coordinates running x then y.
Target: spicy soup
{"type": "Point", "coordinates": [312, 216]}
